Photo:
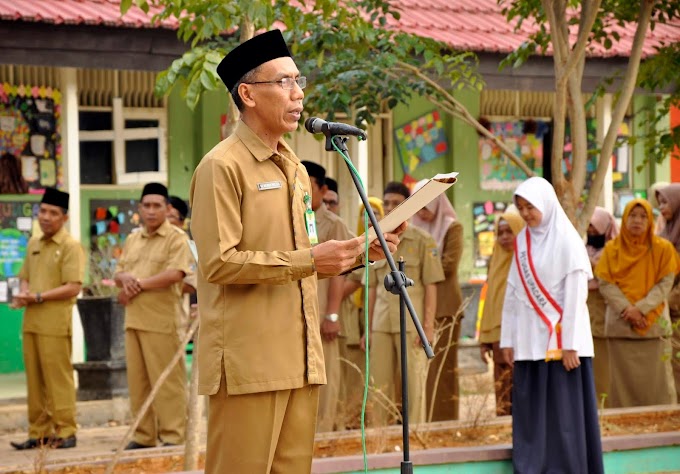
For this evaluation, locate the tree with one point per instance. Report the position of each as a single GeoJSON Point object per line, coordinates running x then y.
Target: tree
{"type": "Point", "coordinates": [592, 21]}
{"type": "Point", "coordinates": [356, 64]}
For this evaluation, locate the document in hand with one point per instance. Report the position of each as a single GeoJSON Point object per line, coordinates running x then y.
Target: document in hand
{"type": "Point", "coordinates": [421, 198]}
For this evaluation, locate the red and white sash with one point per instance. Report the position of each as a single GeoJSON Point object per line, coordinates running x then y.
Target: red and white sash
{"type": "Point", "coordinates": [543, 303]}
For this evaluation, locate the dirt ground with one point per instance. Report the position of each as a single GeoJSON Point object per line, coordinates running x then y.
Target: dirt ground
{"type": "Point", "coordinates": [478, 426]}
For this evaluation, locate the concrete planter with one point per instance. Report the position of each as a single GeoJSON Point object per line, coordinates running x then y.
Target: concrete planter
{"type": "Point", "coordinates": [103, 375]}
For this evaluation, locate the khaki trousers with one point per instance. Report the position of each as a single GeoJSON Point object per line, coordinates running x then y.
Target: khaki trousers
{"type": "Point", "coordinates": [261, 433]}
{"type": "Point", "coordinates": [385, 373]}
{"type": "Point", "coordinates": [148, 354]}
{"type": "Point", "coordinates": [51, 391]}
{"type": "Point", "coordinates": [329, 393]}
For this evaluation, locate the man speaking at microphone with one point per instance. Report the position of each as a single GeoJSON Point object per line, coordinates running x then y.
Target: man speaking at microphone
{"type": "Point", "coordinates": [260, 356]}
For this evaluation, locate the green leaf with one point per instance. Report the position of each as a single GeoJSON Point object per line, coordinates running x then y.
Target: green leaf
{"type": "Point", "coordinates": [125, 6]}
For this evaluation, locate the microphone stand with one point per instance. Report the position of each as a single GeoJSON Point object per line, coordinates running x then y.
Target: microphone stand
{"type": "Point", "coordinates": [396, 283]}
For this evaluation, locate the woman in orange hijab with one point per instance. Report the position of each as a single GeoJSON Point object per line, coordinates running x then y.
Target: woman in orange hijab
{"type": "Point", "coordinates": [508, 226]}
{"type": "Point", "coordinates": [636, 273]}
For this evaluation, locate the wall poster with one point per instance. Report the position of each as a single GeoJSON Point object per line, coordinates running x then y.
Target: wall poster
{"type": "Point", "coordinates": [30, 130]}
{"type": "Point", "coordinates": [16, 224]}
{"type": "Point", "coordinates": [420, 141]}
{"type": "Point", "coordinates": [525, 138]}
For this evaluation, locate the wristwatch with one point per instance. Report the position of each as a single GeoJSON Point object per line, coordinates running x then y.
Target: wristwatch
{"type": "Point", "coordinates": [333, 317]}
{"type": "Point", "coordinates": [38, 298]}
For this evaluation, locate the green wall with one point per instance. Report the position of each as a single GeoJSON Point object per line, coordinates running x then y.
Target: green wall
{"type": "Point", "coordinates": [461, 157]}
{"type": "Point", "coordinates": [191, 135]}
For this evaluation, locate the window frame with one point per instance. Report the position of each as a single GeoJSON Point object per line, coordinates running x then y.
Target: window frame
{"type": "Point", "coordinates": [119, 135]}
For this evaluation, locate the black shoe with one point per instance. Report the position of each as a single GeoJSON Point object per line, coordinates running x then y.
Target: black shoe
{"type": "Point", "coordinates": [30, 443]}
{"type": "Point", "coordinates": [64, 443]}
{"type": "Point", "coordinates": [136, 445]}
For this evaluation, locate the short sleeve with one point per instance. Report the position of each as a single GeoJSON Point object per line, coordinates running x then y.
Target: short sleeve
{"type": "Point", "coordinates": [180, 254]}
{"type": "Point", "coordinates": [432, 265]}
{"type": "Point", "coordinates": [73, 263]}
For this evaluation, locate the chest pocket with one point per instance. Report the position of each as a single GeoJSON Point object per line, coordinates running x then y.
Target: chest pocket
{"type": "Point", "coordinates": [148, 262]}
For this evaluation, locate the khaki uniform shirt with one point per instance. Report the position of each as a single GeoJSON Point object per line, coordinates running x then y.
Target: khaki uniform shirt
{"type": "Point", "coordinates": [145, 255]}
{"type": "Point", "coordinates": [257, 290]}
{"type": "Point", "coordinates": [51, 263]}
{"type": "Point", "coordinates": [423, 266]}
{"type": "Point", "coordinates": [329, 226]}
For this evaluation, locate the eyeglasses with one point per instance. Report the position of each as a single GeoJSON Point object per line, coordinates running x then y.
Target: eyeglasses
{"type": "Point", "coordinates": [287, 83]}
{"type": "Point", "coordinates": [329, 202]}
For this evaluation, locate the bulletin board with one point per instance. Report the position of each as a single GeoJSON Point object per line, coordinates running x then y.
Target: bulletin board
{"type": "Point", "coordinates": [17, 219]}
{"type": "Point", "coordinates": [484, 218]}
{"type": "Point", "coordinates": [30, 119]}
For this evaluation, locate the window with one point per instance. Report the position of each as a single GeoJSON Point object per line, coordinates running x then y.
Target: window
{"type": "Point", "coordinates": [122, 145]}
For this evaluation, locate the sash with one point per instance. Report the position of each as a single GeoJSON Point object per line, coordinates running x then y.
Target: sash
{"type": "Point", "coordinates": [543, 303]}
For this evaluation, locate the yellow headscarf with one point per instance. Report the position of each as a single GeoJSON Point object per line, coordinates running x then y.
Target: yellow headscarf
{"type": "Point", "coordinates": [377, 205]}
{"type": "Point", "coordinates": [378, 210]}
{"type": "Point", "coordinates": [499, 267]}
{"type": "Point", "coordinates": [636, 264]}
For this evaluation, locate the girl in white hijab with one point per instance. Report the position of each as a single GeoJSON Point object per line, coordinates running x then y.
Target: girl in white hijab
{"type": "Point", "coordinates": [545, 335]}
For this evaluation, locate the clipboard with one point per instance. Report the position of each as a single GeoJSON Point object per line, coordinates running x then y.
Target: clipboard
{"type": "Point", "coordinates": [419, 199]}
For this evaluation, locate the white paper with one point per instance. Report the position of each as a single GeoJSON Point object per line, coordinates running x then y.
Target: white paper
{"type": "Point", "coordinates": [194, 251]}
{"type": "Point", "coordinates": [622, 161]}
{"type": "Point", "coordinates": [24, 224]}
{"type": "Point", "coordinates": [4, 292]}
{"type": "Point", "coordinates": [421, 198]}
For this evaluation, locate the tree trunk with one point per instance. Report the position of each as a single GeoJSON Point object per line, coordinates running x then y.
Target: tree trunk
{"type": "Point", "coordinates": [247, 31]}
{"type": "Point", "coordinates": [626, 93]}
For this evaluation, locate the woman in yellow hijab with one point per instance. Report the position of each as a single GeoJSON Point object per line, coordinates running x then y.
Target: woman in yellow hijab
{"type": "Point", "coordinates": [508, 226]}
{"type": "Point", "coordinates": [636, 273]}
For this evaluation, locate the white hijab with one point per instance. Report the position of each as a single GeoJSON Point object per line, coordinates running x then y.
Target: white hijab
{"type": "Point", "coordinates": [556, 247]}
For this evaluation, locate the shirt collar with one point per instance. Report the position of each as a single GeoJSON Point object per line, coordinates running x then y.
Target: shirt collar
{"type": "Point", "coordinates": [162, 230]}
{"type": "Point", "coordinates": [59, 237]}
{"type": "Point", "coordinates": [256, 146]}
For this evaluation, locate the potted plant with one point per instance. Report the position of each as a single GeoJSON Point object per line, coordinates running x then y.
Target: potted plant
{"type": "Point", "coordinates": [102, 376]}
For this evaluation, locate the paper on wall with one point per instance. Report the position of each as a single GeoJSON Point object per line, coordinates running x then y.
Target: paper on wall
{"type": "Point", "coordinates": [419, 199]}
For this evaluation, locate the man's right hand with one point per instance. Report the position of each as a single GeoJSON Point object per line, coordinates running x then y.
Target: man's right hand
{"type": "Point", "coordinates": [336, 256]}
{"type": "Point", "coordinates": [129, 283]}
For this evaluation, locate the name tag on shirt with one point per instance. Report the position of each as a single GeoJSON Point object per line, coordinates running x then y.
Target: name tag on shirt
{"type": "Point", "coordinates": [268, 185]}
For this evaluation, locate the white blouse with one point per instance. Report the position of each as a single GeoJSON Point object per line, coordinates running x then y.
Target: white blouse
{"type": "Point", "coordinates": [524, 331]}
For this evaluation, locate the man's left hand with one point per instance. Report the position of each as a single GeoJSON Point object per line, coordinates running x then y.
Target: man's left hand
{"type": "Point", "coordinates": [330, 330]}
{"type": "Point", "coordinates": [22, 300]}
{"type": "Point", "coordinates": [375, 251]}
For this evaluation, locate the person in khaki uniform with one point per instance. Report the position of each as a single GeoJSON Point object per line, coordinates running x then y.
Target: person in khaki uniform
{"type": "Point", "coordinates": [424, 267]}
{"type": "Point", "coordinates": [260, 357]}
{"type": "Point", "coordinates": [150, 272]}
{"type": "Point", "coordinates": [329, 226]}
{"type": "Point", "coordinates": [51, 278]}
{"type": "Point", "coordinates": [177, 214]}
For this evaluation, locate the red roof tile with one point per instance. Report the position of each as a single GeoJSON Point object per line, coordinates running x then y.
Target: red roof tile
{"type": "Point", "coordinates": [479, 25]}
{"type": "Point", "coordinates": [77, 12]}
{"type": "Point", "coordinates": [469, 25]}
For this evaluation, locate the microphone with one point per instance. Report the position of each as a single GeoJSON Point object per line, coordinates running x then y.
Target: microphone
{"type": "Point", "coordinates": [317, 125]}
